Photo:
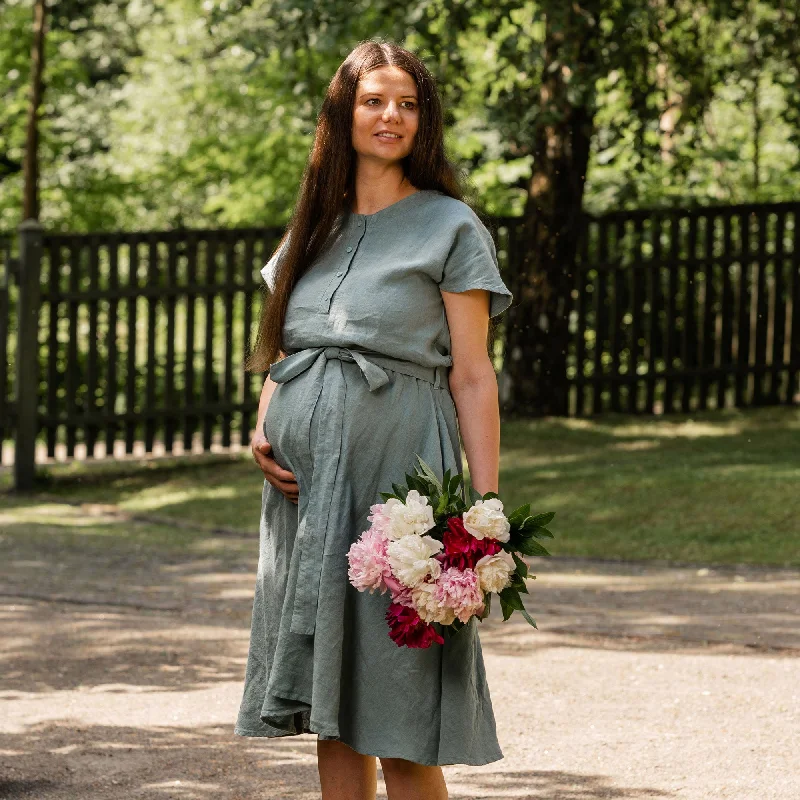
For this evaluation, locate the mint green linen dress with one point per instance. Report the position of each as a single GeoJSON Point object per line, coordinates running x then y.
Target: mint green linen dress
{"type": "Point", "coordinates": [362, 390]}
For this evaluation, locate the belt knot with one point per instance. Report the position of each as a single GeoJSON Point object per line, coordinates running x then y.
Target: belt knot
{"type": "Point", "coordinates": [295, 363]}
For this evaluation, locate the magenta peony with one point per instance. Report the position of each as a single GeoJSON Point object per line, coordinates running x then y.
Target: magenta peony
{"type": "Point", "coordinates": [406, 628]}
{"type": "Point", "coordinates": [460, 590]}
{"type": "Point", "coordinates": [461, 549]}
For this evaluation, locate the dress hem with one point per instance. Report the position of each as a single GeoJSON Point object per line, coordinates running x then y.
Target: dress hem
{"type": "Point", "coordinates": [427, 763]}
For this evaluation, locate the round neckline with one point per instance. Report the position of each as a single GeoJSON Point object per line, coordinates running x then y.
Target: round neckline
{"type": "Point", "coordinates": [389, 207]}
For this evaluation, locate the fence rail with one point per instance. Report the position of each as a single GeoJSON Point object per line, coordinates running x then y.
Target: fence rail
{"type": "Point", "coordinates": [140, 337]}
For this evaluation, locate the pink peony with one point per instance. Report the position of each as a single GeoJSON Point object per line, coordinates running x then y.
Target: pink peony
{"type": "Point", "coordinates": [369, 562]}
{"type": "Point", "coordinates": [406, 628]}
{"type": "Point", "coordinates": [461, 549]}
{"type": "Point", "coordinates": [460, 590]}
{"type": "Point", "coordinates": [401, 594]}
{"type": "Point", "coordinates": [379, 516]}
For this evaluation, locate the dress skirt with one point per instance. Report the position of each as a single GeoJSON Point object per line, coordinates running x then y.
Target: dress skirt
{"type": "Point", "coordinates": [348, 424]}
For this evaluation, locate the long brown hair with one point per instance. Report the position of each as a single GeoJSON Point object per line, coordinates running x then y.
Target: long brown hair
{"type": "Point", "coordinates": [328, 183]}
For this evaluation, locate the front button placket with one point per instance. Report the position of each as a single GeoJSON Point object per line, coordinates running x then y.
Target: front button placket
{"type": "Point", "coordinates": [353, 239]}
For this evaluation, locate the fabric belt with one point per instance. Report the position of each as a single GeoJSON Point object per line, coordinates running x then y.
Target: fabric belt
{"type": "Point", "coordinates": [326, 369]}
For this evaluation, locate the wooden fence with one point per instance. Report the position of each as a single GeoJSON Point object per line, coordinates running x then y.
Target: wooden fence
{"type": "Point", "coordinates": [115, 339]}
{"type": "Point", "coordinates": [686, 310]}
{"type": "Point", "coordinates": [139, 336]}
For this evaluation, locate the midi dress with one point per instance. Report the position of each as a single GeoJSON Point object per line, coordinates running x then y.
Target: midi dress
{"type": "Point", "coordinates": [363, 389]}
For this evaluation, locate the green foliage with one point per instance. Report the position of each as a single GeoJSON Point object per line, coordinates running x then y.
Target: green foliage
{"type": "Point", "coordinates": [181, 112]}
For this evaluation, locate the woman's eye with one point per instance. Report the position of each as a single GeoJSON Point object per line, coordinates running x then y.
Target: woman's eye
{"type": "Point", "coordinates": [408, 103]}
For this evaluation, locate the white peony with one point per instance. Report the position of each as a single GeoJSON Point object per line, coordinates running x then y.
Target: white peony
{"type": "Point", "coordinates": [410, 558]}
{"type": "Point", "coordinates": [494, 572]}
{"type": "Point", "coordinates": [414, 516]}
{"type": "Point", "coordinates": [422, 595]}
{"type": "Point", "coordinates": [486, 519]}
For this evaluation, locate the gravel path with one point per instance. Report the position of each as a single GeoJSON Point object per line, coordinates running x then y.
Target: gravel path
{"type": "Point", "coordinates": [121, 676]}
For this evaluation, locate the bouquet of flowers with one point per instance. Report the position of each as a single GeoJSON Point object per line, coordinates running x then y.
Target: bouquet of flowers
{"type": "Point", "coordinates": [442, 560]}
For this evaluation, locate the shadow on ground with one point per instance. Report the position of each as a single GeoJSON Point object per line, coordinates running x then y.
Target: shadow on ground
{"type": "Point", "coordinates": [93, 619]}
{"type": "Point", "coordinates": [193, 763]}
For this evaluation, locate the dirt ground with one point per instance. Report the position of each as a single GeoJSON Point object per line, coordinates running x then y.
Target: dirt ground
{"type": "Point", "coordinates": [121, 678]}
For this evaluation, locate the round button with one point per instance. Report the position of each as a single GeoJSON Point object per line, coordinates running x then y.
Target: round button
{"type": "Point", "coordinates": [339, 274]}
{"type": "Point", "coordinates": [349, 249]}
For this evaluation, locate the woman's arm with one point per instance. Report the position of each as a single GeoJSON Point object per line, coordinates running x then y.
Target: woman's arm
{"type": "Point", "coordinates": [473, 385]}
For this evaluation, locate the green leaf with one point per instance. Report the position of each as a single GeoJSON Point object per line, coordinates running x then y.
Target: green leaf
{"type": "Point", "coordinates": [528, 617]}
{"type": "Point", "coordinates": [507, 609]}
{"type": "Point", "coordinates": [511, 597]}
{"type": "Point", "coordinates": [424, 486]}
{"type": "Point", "coordinates": [518, 583]}
{"type": "Point", "coordinates": [543, 519]}
{"type": "Point", "coordinates": [522, 567]}
{"type": "Point", "coordinates": [489, 495]}
{"type": "Point", "coordinates": [400, 491]}
{"type": "Point", "coordinates": [429, 473]}
{"type": "Point", "coordinates": [526, 524]}
{"type": "Point", "coordinates": [519, 514]}
{"type": "Point", "coordinates": [387, 495]}
{"type": "Point", "coordinates": [487, 599]}
{"type": "Point", "coordinates": [530, 547]}
{"type": "Point", "coordinates": [455, 482]}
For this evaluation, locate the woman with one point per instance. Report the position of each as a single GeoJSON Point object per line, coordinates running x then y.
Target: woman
{"type": "Point", "coordinates": [381, 296]}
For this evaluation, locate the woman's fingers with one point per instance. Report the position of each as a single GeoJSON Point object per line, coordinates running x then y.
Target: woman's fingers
{"type": "Point", "coordinates": [279, 475]}
{"type": "Point", "coordinates": [283, 480]}
{"type": "Point", "coordinates": [287, 487]}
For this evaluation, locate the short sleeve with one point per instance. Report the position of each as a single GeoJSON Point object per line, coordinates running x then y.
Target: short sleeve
{"type": "Point", "coordinates": [269, 270]}
{"type": "Point", "coordinates": [472, 264]}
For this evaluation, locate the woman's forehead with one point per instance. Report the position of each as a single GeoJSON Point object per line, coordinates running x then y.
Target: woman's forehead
{"type": "Point", "coordinates": [387, 76]}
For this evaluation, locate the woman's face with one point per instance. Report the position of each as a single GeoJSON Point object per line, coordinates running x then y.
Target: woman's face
{"type": "Point", "coordinates": [386, 101]}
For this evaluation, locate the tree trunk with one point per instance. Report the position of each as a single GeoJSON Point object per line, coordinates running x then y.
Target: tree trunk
{"type": "Point", "coordinates": [538, 325]}
{"type": "Point", "coordinates": [31, 168]}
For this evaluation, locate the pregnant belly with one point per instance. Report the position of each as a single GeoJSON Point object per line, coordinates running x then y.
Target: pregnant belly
{"type": "Point", "coordinates": [284, 428]}
{"type": "Point", "coordinates": [287, 426]}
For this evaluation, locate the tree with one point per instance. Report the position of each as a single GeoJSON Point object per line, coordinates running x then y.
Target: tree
{"type": "Point", "coordinates": [554, 62]}
{"type": "Point", "coordinates": [31, 199]}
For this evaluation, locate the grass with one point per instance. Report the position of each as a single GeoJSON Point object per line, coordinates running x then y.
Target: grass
{"type": "Point", "coordinates": [199, 504]}
{"type": "Point", "coordinates": [712, 487]}
{"type": "Point", "coordinates": [716, 487]}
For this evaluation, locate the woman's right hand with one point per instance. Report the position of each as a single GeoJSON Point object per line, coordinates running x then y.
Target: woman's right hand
{"type": "Point", "coordinates": [282, 479]}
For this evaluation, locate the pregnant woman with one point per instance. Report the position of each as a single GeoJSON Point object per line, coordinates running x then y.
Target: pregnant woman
{"type": "Point", "coordinates": [375, 335]}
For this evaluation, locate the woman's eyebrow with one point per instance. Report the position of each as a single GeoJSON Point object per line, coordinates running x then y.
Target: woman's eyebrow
{"type": "Point", "coordinates": [380, 94]}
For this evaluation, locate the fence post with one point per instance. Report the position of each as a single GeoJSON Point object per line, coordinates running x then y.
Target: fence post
{"type": "Point", "coordinates": [30, 262]}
